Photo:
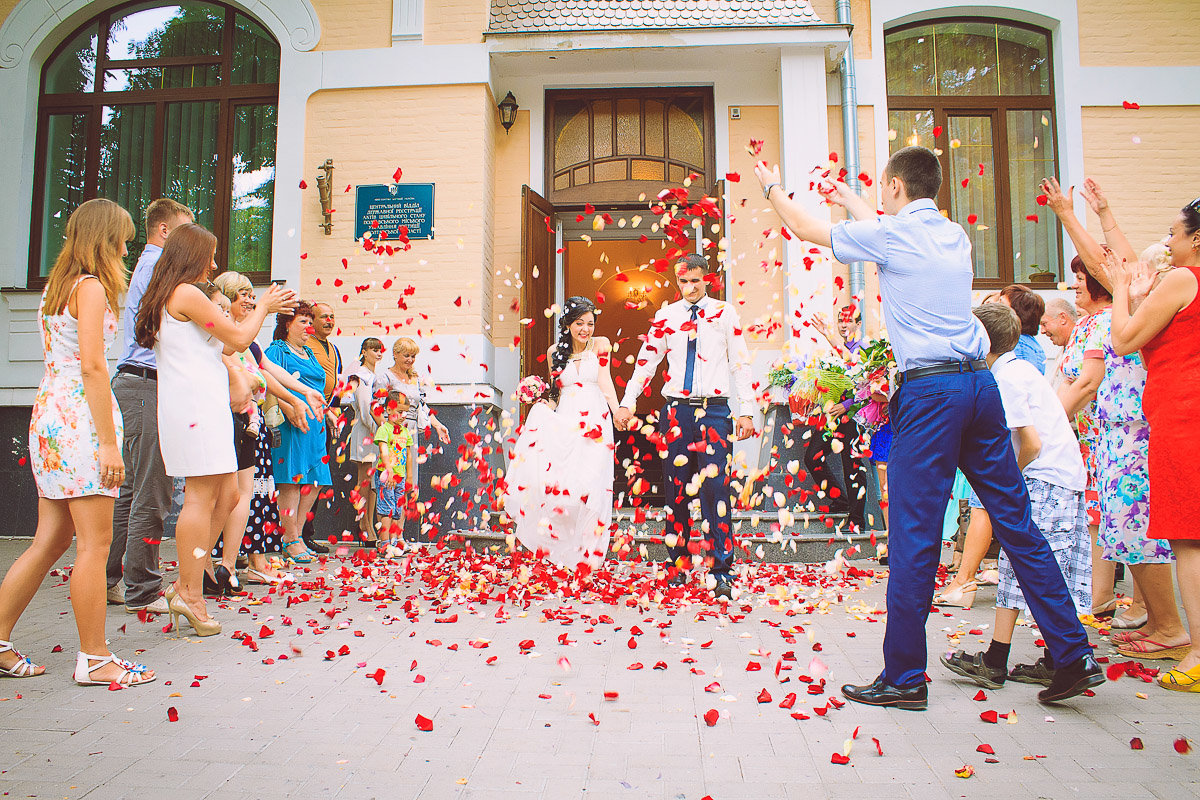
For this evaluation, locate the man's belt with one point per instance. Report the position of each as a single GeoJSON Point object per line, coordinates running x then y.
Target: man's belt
{"type": "Point", "coordinates": [945, 368]}
{"type": "Point", "coordinates": [149, 373]}
{"type": "Point", "coordinates": [700, 401]}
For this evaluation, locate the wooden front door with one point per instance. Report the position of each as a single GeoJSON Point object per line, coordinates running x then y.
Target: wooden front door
{"type": "Point", "coordinates": [537, 280]}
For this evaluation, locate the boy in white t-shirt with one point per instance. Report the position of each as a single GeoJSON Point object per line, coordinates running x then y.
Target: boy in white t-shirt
{"type": "Point", "coordinates": [1048, 455]}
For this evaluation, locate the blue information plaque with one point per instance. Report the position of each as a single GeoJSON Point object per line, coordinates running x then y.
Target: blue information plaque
{"type": "Point", "coordinates": [387, 206]}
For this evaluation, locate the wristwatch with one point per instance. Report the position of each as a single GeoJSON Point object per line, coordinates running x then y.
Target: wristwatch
{"type": "Point", "coordinates": [767, 190]}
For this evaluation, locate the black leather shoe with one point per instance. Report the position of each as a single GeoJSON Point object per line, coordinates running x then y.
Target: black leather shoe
{"type": "Point", "coordinates": [211, 588]}
{"type": "Point", "coordinates": [882, 693]}
{"type": "Point", "coordinates": [972, 665]}
{"type": "Point", "coordinates": [315, 546]}
{"type": "Point", "coordinates": [1073, 679]}
{"type": "Point", "coordinates": [678, 579]}
{"type": "Point", "coordinates": [723, 590]}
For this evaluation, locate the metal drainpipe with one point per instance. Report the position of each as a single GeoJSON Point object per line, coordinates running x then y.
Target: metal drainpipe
{"type": "Point", "coordinates": [858, 283]}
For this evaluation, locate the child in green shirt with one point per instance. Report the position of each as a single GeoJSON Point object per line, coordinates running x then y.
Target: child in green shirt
{"type": "Point", "coordinates": [395, 471]}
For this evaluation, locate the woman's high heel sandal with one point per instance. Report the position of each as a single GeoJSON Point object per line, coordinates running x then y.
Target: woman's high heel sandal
{"type": "Point", "coordinates": [209, 627]}
{"type": "Point", "coordinates": [24, 668]}
{"type": "Point", "coordinates": [961, 596]}
{"type": "Point", "coordinates": [131, 675]}
{"type": "Point", "coordinates": [304, 557]}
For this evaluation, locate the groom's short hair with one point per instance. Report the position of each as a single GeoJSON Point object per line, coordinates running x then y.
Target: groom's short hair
{"type": "Point", "coordinates": [690, 262]}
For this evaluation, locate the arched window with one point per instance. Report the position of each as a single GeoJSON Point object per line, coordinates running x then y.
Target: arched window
{"type": "Point", "coordinates": [980, 93]}
{"type": "Point", "coordinates": [610, 145]}
{"type": "Point", "coordinates": [154, 100]}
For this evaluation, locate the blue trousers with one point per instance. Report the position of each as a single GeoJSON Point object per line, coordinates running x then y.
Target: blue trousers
{"type": "Point", "coordinates": [942, 422]}
{"type": "Point", "coordinates": [702, 439]}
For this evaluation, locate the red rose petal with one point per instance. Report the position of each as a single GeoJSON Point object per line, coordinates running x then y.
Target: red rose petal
{"type": "Point", "coordinates": [989, 716]}
{"type": "Point", "coordinates": [1136, 744]}
{"type": "Point", "coordinates": [979, 696]}
{"type": "Point", "coordinates": [985, 748]}
{"type": "Point", "coordinates": [878, 746]}
{"type": "Point", "coordinates": [1183, 745]}
{"type": "Point", "coordinates": [838, 758]}
{"type": "Point", "coordinates": [424, 723]}
{"type": "Point", "coordinates": [172, 714]}
{"type": "Point", "coordinates": [711, 716]}
{"type": "Point", "coordinates": [764, 696]}
{"type": "Point", "coordinates": [610, 696]}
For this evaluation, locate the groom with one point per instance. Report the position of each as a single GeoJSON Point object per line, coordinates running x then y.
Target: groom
{"type": "Point", "coordinates": [708, 365]}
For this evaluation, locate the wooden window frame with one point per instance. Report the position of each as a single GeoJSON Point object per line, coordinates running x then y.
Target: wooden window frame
{"type": "Point", "coordinates": [91, 104]}
{"type": "Point", "coordinates": [996, 106]}
{"type": "Point", "coordinates": [625, 192]}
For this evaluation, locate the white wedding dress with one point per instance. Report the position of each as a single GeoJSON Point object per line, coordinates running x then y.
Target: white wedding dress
{"type": "Point", "coordinates": [560, 477]}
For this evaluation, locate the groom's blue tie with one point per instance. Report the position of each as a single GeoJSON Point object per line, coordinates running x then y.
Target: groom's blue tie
{"type": "Point", "coordinates": [693, 337]}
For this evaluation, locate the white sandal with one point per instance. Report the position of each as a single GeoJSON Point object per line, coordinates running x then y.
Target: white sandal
{"type": "Point", "coordinates": [24, 668]}
{"type": "Point", "coordinates": [133, 675]}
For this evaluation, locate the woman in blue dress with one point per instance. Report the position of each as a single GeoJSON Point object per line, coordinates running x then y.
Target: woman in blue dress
{"type": "Point", "coordinates": [300, 459]}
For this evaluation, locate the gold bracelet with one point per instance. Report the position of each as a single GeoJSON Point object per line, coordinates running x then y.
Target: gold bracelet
{"type": "Point", "coordinates": [1106, 230]}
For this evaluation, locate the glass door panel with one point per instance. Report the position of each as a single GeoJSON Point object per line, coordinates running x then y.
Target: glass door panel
{"type": "Point", "coordinates": [253, 195]}
{"type": "Point", "coordinates": [1030, 159]}
{"type": "Point", "coordinates": [189, 169]}
{"type": "Point", "coordinates": [972, 183]}
{"type": "Point", "coordinates": [63, 187]}
{"type": "Point", "coordinates": [127, 163]}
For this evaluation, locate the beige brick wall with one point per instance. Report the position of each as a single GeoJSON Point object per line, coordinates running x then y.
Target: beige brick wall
{"type": "Point", "coordinates": [455, 21]}
{"type": "Point", "coordinates": [760, 292]}
{"type": "Point", "coordinates": [866, 158]}
{"type": "Point", "coordinates": [354, 24]}
{"type": "Point", "coordinates": [860, 13]}
{"type": "Point", "coordinates": [1151, 33]}
{"type": "Point", "coordinates": [1148, 180]}
{"type": "Point", "coordinates": [512, 172]}
{"type": "Point", "coordinates": [434, 134]}
{"type": "Point", "coordinates": [6, 7]}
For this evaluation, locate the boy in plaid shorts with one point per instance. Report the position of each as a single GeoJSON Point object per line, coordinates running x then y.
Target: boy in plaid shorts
{"type": "Point", "coordinates": [395, 474]}
{"type": "Point", "coordinates": [1049, 458]}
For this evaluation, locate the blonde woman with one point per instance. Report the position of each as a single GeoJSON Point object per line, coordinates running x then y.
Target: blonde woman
{"type": "Point", "coordinates": [75, 444]}
{"type": "Point", "coordinates": [402, 377]}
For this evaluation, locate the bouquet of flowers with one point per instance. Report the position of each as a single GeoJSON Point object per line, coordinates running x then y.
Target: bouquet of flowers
{"type": "Point", "coordinates": [871, 372]}
{"type": "Point", "coordinates": [819, 385]}
{"type": "Point", "coordinates": [531, 389]}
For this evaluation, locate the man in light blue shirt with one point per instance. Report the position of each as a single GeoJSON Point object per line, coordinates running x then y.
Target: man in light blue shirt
{"type": "Point", "coordinates": [145, 499]}
{"type": "Point", "coordinates": [946, 413]}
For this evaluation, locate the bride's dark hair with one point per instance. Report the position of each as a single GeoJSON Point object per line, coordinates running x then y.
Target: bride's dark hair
{"type": "Point", "coordinates": [573, 309]}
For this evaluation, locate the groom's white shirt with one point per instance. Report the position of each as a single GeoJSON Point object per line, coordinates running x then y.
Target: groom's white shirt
{"type": "Point", "coordinates": [721, 354]}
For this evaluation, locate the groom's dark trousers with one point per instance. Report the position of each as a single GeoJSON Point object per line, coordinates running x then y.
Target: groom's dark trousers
{"type": "Point", "coordinates": [942, 422]}
{"type": "Point", "coordinates": [702, 438]}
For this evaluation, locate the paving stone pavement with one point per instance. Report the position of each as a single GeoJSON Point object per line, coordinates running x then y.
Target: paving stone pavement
{"type": "Point", "coordinates": [529, 725]}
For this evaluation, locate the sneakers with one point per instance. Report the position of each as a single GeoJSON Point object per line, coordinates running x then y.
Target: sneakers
{"type": "Point", "coordinates": [1039, 671]}
{"type": "Point", "coordinates": [1073, 679]}
{"type": "Point", "coordinates": [159, 606]}
{"type": "Point", "coordinates": [116, 595]}
{"type": "Point", "coordinates": [972, 665]}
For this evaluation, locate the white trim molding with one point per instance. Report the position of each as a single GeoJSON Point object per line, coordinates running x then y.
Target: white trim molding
{"type": "Point", "coordinates": [408, 20]}
{"type": "Point", "coordinates": [32, 21]}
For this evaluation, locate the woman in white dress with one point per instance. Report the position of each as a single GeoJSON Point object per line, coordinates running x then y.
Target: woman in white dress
{"type": "Point", "coordinates": [363, 450]}
{"type": "Point", "coordinates": [195, 429]}
{"type": "Point", "coordinates": [559, 487]}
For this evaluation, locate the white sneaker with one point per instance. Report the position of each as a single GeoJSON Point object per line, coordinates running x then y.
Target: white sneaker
{"type": "Point", "coordinates": [159, 606]}
{"type": "Point", "coordinates": [116, 595]}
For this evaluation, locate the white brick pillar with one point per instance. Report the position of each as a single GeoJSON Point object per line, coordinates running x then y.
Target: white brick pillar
{"type": "Point", "coordinates": [805, 145]}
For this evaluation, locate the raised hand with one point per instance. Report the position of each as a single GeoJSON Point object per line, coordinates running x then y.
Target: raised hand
{"type": "Point", "coordinates": [1094, 196]}
{"type": "Point", "coordinates": [1119, 272]}
{"type": "Point", "coordinates": [279, 299]}
{"type": "Point", "coordinates": [838, 193]}
{"type": "Point", "coordinates": [766, 175]}
{"type": "Point", "coordinates": [1141, 280]}
{"type": "Point", "coordinates": [1059, 202]}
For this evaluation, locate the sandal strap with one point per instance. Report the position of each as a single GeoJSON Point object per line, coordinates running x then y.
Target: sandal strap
{"type": "Point", "coordinates": [23, 668]}
{"type": "Point", "coordinates": [131, 674]}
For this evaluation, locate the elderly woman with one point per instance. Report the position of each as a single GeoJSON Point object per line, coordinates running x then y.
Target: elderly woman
{"type": "Point", "coordinates": [300, 460]}
{"type": "Point", "coordinates": [1121, 461]}
{"type": "Point", "coordinates": [402, 376]}
{"type": "Point", "coordinates": [253, 526]}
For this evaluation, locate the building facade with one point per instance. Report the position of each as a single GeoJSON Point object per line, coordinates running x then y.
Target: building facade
{"type": "Point", "coordinates": [235, 107]}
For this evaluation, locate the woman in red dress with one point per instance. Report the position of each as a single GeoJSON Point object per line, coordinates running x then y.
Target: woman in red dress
{"type": "Point", "coordinates": [1166, 328]}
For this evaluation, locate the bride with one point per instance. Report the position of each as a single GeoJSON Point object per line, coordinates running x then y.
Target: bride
{"type": "Point", "coordinates": [560, 478]}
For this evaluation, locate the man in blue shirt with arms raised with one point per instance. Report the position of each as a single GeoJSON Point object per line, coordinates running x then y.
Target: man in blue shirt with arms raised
{"type": "Point", "coordinates": [946, 413]}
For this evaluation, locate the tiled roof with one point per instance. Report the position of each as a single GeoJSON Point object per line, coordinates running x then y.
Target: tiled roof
{"type": "Point", "coordinates": [533, 16]}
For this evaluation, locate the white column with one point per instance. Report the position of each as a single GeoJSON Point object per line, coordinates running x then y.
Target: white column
{"type": "Point", "coordinates": [805, 145]}
{"type": "Point", "coordinates": [299, 77]}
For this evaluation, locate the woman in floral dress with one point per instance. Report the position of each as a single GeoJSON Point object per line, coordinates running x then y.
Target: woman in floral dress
{"type": "Point", "coordinates": [75, 444]}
